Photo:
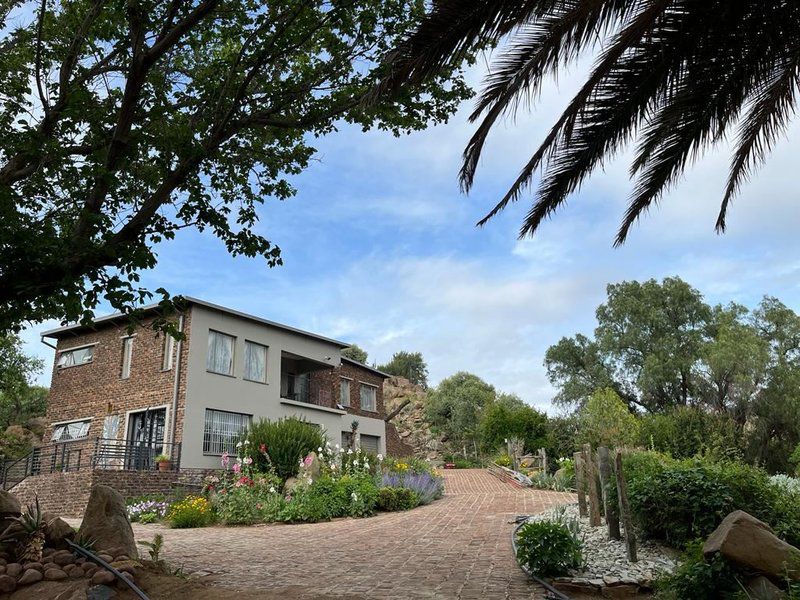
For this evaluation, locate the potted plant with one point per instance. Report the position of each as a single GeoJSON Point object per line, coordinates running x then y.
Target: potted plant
{"type": "Point", "coordinates": [163, 462]}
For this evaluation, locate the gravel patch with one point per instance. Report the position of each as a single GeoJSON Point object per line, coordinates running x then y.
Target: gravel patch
{"type": "Point", "coordinates": [604, 557]}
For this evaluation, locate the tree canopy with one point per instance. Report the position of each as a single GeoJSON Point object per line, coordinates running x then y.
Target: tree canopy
{"type": "Point", "coordinates": [672, 77]}
{"type": "Point", "coordinates": [356, 353]}
{"type": "Point", "coordinates": [454, 408]}
{"type": "Point", "coordinates": [410, 365]}
{"type": "Point", "coordinates": [700, 376]}
{"type": "Point", "coordinates": [124, 123]}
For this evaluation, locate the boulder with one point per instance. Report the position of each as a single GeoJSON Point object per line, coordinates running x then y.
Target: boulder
{"type": "Point", "coordinates": [57, 531]}
{"type": "Point", "coordinates": [761, 588]}
{"type": "Point", "coordinates": [311, 468]}
{"type": "Point", "coordinates": [103, 577]}
{"type": "Point", "coordinates": [30, 576]}
{"type": "Point", "coordinates": [750, 543]}
{"type": "Point", "coordinates": [290, 484]}
{"type": "Point", "coordinates": [106, 522]}
{"type": "Point", "coordinates": [7, 584]}
{"type": "Point", "coordinates": [9, 505]}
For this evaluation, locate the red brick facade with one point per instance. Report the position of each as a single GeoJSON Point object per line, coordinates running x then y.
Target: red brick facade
{"type": "Point", "coordinates": [325, 386]}
{"type": "Point", "coordinates": [96, 389]}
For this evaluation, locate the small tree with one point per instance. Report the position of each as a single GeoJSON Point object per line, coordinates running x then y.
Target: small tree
{"type": "Point", "coordinates": [410, 365]}
{"type": "Point", "coordinates": [509, 417]}
{"type": "Point", "coordinates": [356, 353]}
{"type": "Point", "coordinates": [606, 421]}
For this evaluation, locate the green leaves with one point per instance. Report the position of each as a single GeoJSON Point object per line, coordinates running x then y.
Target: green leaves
{"type": "Point", "coordinates": [180, 115]}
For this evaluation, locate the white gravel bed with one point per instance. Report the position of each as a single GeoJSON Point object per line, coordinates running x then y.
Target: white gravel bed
{"type": "Point", "coordinates": [607, 558]}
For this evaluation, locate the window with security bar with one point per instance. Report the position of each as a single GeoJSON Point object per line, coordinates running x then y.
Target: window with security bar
{"type": "Point", "coordinates": [222, 430]}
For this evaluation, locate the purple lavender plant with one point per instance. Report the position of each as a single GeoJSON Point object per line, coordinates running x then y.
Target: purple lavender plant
{"type": "Point", "coordinates": [428, 487]}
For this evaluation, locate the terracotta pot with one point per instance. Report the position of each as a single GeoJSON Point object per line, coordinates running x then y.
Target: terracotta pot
{"type": "Point", "coordinates": [164, 465]}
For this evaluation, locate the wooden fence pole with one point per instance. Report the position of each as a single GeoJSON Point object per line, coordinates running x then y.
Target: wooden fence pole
{"type": "Point", "coordinates": [590, 477]}
{"type": "Point", "coordinates": [606, 485]}
{"type": "Point", "coordinates": [625, 509]}
{"type": "Point", "coordinates": [579, 484]}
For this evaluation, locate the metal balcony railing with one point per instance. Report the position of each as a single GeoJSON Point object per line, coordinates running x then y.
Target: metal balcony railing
{"type": "Point", "coordinates": [95, 453]}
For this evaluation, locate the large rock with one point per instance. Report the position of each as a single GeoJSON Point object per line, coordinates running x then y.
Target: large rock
{"type": "Point", "coordinates": [106, 522]}
{"type": "Point", "coordinates": [57, 531]}
{"type": "Point", "coordinates": [310, 469]}
{"type": "Point", "coordinates": [9, 505]}
{"type": "Point", "coordinates": [750, 543]}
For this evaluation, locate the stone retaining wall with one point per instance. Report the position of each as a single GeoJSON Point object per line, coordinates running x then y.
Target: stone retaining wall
{"type": "Point", "coordinates": [66, 494]}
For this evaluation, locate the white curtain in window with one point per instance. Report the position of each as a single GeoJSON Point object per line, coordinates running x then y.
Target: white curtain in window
{"type": "Point", "coordinates": [344, 392]}
{"type": "Point", "coordinates": [255, 362]}
{"type": "Point", "coordinates": [367, 397]}
{"type": "Point", "coordinates": [78, 356]}
{"type": "Point", "coordinates": [220, 353]}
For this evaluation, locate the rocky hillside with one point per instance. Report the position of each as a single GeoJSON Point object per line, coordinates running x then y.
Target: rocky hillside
{"type": "Point", "coordinates": [410, 422]}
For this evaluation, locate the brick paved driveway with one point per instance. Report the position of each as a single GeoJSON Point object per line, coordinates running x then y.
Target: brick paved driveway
{"type": "Point", "coordinates": [457, 547]}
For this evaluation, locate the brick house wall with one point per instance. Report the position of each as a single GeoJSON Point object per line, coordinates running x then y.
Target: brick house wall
{"type": "Point", "coordinates": [96, 389]}
{"type": "Point", "coordinates": [325, 385]}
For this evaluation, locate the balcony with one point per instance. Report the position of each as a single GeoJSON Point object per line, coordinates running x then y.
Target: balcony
{"type": "Point", "coordinates": [296, 372]}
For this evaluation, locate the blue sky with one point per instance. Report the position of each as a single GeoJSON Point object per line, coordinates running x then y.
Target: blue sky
{"type": "Point", "coordinates": [380, 249]}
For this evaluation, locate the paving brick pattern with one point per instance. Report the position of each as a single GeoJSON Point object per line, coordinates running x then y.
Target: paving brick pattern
{"type": "Point", "coordinates": [458, 547]}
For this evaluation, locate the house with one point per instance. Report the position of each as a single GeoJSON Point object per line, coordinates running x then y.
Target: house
{"type": "Point", "coordinates": [138, 395]}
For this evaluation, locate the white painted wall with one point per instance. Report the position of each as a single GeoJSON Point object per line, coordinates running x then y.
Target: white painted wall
{"type": "Point", "coordinates": [262, 400]}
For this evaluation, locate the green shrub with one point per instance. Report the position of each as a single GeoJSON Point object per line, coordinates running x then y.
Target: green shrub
{"type": "Point", "coordinates": [287, 441]}
{"type": "Point", "coordinates": [328, 498]}
{"type": "Point", "coordinates": [395, 498]}
{"type": "Point", "coordinates": [684, 432]}
{"type": "Point", "coordinates": [698, 579]}
{"type": "Point", "coordinates": [504, 460]}
{"type": "Point", "coordinates": [679, 501]}
{"type": "Point", "coordinates": [246, 505]}
{"type": "Point", "coordinates": [548, 549]}
{"type": "Point", "coordinates": [192, 511]}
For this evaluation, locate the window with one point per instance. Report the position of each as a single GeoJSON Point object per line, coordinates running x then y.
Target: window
{"type": "Point", "coordinates": [127, 355]}
{"type": "Point", "coordinates": [169, 345]}
{"type": "Point", "coordinates": [370, 443]}
{"type": "Point", "coordinates": [255, 362]}
{"type": "Point", "coordinates": [222, 430]}
{"type": "Point", "coordinates": [76, 356]}
{"type": "Point", "coordinates": [65, 432]}
{"type": "Point", "coordinates": [368, 394]}
{"type": "Point", "coordinates": [344, 392]}
{"type": "Point", "coordinates": [220, 353]}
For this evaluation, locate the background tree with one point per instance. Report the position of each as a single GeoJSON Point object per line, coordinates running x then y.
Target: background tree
{"type": "Point", "coordinates": [675, 76]}
{"type": "Point", "coordinates": [356, 353]}
{"type": "Point", "coordinates": [410, 365]}
{"type": "Point", "coordinates": [509, 417]}
{"type": "Point", "coordinates": [20, 401]}
{"type": "Point", "coordinates": [454, 409]}
{"type": "Point", "coordinates": [606, 421]}
{"type": "Point", "coordinates": [126, 122]}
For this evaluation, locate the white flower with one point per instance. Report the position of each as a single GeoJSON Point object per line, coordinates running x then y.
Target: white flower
{"type": "Point", "coordinates": [319, 449]}
{"type": "Point", "coordinates": [354, 496]}
{"type": "Point", "coordinates": [337, 446]}
{"type": "Point", "coordinates": [248, 460]}
{"type": "Point", "coordinates": [238, 444]}
{"type": "Point", "coordinates": [301, 462]}
{"type": "Point", "coordinates": [349, 450]}
{"type": "Point", "coordinates": [380, 457]}
{"type": "Point", "coordinates": [239, 459]}
{"type": "Point", "coordinates": [366, 465]}
{"type": "Point", "coordinates": [272, 490]}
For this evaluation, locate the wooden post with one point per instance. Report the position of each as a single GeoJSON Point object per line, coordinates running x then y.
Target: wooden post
{"type": "Point", "coordinates": [625, 509]}
{"type": "Point", "coordinates": [591, 479]}
{"type": "Point", "coordinates": [606, 484]}
{"type": "Point", "coordinates": [579, 484]}
{"type": "Point", "coordinates": [543, 454]}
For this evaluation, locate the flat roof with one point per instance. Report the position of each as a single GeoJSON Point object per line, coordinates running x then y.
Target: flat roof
{"type": "Point", "coordinates": [367, 367]}
{"type": "Point", "coordinates": [60, 332]}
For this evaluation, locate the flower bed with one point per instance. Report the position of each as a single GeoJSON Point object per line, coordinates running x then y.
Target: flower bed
{"type": "Point", "coordinates": [331, 482]}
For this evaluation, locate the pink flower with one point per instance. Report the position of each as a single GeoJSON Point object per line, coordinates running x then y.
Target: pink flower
{"type": "Point", "coordinates": [225, 460]}
{"type": "Point", "coordinates": [308, 460]}
{"type": "Point", "coordinates": [247, 460]}
{"type": "Point", "coordinates": [262, 448]}
{"type": "Point", "coordinates": [237, 468]}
